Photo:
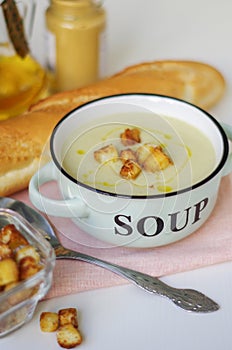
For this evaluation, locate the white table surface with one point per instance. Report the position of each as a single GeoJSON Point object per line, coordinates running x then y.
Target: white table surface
{"type": "Point", "coordinates": [127, 317]}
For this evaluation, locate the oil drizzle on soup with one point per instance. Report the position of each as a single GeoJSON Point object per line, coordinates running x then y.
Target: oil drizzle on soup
{"type": "Point", "coordinates": [191, 152]}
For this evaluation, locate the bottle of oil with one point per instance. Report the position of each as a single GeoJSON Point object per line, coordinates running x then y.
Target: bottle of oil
{"type": "Point", "coordinates": [23, 81]}
{"type": "Point", "coordinates": [76, 42]}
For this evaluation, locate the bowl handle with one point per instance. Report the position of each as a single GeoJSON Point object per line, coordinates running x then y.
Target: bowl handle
{"type": "Point", "coordinates": [228, 166]}
{"type": "Point", "coordinates": [73, 207]}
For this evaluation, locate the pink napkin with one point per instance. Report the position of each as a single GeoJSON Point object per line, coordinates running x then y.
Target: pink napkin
{"type": "Point", "coordinates": [211, 244]}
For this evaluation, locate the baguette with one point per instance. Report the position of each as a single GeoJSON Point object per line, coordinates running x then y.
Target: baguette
{"type": "Point", "coordinates": [24, 138]}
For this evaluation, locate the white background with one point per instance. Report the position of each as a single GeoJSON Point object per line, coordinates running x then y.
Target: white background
{"type": "Point", "coordinates": [127, 317]}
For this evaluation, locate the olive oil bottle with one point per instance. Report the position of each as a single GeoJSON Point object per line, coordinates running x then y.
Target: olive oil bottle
{"type": "Point", "coordinates": [23, 81]}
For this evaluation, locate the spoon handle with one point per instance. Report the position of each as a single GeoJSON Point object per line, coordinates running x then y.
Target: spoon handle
{"type": "Point", "coordinates": [188, 299]}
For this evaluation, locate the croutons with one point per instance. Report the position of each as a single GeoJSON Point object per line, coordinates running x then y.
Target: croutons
{"type": "Point", "coordinates": [18, 259]}
{"type": "Point", "coordinates": [152, 158]}
{"type": "Point", "coordinates": [68, 336]}
{"type": "Point", "coordinates": [68, 316]}
{"type": "Point", "coordinates": [130, 170]}
{"type": "Point", "coordinates": [11, 236]}
{"type": "Point", "coordinates": [105, 154]}
{"type": "Point", "coordinates": [28, 250]}
{"type": "Point", "coordinates": [28, 267]}
{"type": "Point", "coordinates": [130, 137]}
{"type": "Point", "coordinates": [8, 271]}
{"type": "Point", "coordinates": [49, 321]}
{"type": "Point", "coordinates": [149, 157]}
{"type": "Point", "coordinates": [127, 154]}
{"type": "Point", "coordinates": [156, 161]}
{"type": "Point", "coordinates": [65, 323]}
{"type": "Point", "coordinates": [5, 251]}
{"type": "Point", "coordinates": [5, 233]}
{"type": "Point", "coordinates": [143, 152]}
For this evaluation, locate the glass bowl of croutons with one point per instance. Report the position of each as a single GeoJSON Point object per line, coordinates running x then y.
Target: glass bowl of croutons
{"type": "Point", "coordinates": [26, 269]}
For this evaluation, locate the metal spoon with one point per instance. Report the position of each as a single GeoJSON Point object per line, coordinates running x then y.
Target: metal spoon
{"type": "Point", "coordinates": [187, 299]}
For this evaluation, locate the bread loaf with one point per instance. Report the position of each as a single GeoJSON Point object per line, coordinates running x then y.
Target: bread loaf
{"type": "Point", "coordinates": [25, 137]}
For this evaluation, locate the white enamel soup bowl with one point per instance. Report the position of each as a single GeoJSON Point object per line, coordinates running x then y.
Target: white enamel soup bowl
{"type": "Point", "coordinates": [146, 219]}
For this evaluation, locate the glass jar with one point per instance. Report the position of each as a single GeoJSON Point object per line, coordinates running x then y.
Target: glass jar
{"type": "Point", "coordinates": [23, 81]}
{"type": "Point", "coordinates": [76, 42]}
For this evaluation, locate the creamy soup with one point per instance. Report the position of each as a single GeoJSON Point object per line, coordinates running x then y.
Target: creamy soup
{"type": "Point", "coordinates": [191, 152]}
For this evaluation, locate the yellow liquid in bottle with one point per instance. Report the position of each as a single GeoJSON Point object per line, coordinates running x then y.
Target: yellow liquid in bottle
{"type": "Point", "coordinates": [22, 82]}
